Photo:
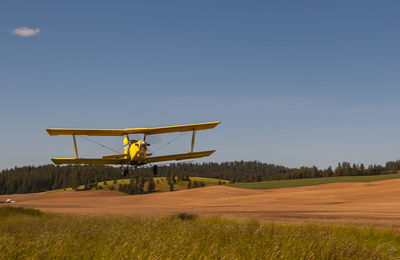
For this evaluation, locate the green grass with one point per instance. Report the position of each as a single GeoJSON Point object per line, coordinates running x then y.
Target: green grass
{"type": "Point", "coordinates": [14, 212]}
{"type": "Point", "coordinates": [312, 181]}
{"type": "Point", "coordinates": [161, 184]}
{"type": "Point", "coordinates": [53, 236]}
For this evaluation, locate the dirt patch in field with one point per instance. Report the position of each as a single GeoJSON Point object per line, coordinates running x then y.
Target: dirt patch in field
{"type": "Point", "coordinates": [377, 203]}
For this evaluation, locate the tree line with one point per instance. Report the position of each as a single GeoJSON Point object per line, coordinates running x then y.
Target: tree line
{"type": "Point", "coordinates": [48, 177]}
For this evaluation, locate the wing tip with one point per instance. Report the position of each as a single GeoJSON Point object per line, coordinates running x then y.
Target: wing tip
{"type": "Point", "coordinates": [49, 131]}
{"type": "Point", "coordinates": [56, 160]}
{"type": "Point", "coordinates": [217, 123]}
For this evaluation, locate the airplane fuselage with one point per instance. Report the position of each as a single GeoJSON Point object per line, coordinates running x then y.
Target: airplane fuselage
{"type": "Point", "coordinates": [136, 151]}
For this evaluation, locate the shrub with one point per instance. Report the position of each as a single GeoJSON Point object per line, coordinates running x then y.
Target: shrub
{"type": "Point", "coordinates": [186, 216]}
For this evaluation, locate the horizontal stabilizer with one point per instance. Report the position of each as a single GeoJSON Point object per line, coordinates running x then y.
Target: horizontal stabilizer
{"type": "Point", "coordinates": [115, 156]}
{"type": "Point", "coordinates": [121, 132]}
{"type": "Point", "coordinates": [177, 157]}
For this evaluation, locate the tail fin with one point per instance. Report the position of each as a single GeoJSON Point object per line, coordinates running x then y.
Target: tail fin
{"type": "Point", "coordinates": [126, 143]}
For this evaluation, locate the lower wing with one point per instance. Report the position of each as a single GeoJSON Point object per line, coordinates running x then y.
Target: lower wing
{"type": "Point", "coordinates": [117, 161]}
{"type": "Point", "coordinates": [89, 161]}
{"type": "Point", "coordinates": [177, 157]}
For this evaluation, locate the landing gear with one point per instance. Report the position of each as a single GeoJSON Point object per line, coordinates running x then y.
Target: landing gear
{"type": "Point", "coordinates": [124, 171]}
{"type": "Point", "coordinates": [155, 169]}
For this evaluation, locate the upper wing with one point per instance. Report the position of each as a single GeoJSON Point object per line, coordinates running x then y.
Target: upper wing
{"type": "Point", "coordinates": [121, 132]}
{"type": "Point", "coordinates": [89, 161]}
{"type": "Point", "coordinates": [177, 157]}
{"type": "Point", "coordinates": [92, 132]}
{"type": "Point", "coordinates": [179, 128]}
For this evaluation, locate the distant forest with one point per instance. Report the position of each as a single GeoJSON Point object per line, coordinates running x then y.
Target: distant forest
{"type": "Point", "coordinates": [48, 177]}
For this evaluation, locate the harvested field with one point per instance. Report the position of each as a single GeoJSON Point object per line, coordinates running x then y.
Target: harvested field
{"type": "Point", "coordinates": [373, 202]}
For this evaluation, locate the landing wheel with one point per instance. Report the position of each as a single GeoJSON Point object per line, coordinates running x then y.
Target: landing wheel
{"type": "Point", "coordinates": [155, 169]}
{"type": "Point", "coordinates": [124, 171]}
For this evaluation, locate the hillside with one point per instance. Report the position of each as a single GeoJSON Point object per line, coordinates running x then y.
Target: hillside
{"type": "Point", "coordinates": [361, 202]}
{"type": "Point", "coordinates": [312, 181]}
{"type": "Point", "coordinates": [161, 184]}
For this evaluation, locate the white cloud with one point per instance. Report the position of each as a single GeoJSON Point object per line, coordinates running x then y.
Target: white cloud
{"type": "Point", "coordinates": [25, 31]}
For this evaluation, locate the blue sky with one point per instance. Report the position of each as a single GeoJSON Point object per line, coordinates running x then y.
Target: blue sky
{"type": "Point", "coordinates": [293, 82]}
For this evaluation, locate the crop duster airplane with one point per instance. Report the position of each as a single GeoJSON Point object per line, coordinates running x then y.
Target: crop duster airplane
{"type": "Point", "coordinates": [135, 151]}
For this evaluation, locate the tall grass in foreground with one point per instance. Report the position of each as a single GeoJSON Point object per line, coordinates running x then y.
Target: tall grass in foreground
{"type": "Point", "coordinates": [39, 236]}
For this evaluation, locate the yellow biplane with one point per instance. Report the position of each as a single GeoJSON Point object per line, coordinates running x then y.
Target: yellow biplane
{"type": "Point", "coordinates": [135, 151]}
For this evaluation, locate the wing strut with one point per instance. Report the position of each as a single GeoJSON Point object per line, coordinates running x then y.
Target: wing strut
{"type": "Point", "coordinates": [76, 148]}
{"type": "Point", "coordinates": [192, 144]}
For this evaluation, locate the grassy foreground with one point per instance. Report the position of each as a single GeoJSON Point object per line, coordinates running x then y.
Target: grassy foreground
{"type": "Point", "coordinates": [312, 181]}
{"type": "Point", "coordinates": [31, 234]}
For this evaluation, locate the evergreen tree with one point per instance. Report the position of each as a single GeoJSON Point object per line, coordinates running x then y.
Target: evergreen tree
{"type": "Point", "coordinates": [141, 185]}
{"type": "Point", "coordinates": [329, 172]}
{"type": "Point", "coordinates": [151, 186]}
